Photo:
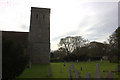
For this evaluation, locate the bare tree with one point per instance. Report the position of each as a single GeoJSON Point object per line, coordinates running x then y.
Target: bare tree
{"type": "Point", "coordinates": [71, 43]}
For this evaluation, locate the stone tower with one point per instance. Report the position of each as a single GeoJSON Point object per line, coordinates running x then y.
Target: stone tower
{"type": "Point", "coordinates": [39, 36]}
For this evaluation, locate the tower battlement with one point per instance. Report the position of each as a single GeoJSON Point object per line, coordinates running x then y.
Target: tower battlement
{"type": "Point", "coordinates": [40, 9]}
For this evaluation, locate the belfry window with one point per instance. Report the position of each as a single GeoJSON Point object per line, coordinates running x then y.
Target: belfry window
{"type": "Point", "coordinates": [37, 16]}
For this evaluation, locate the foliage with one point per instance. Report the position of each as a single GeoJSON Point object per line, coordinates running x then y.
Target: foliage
{"type": "Point", "coordinates": [114, 46]}
{"type": "Point", "coordinates": [96, 49]}
{"type": "Point", "coordinates": [93, 50]}
{"type": "Point", "coordinates": [70, 57]}
{"type": "Point", "coordinates": [13, 59]}
{"type": "Point", "coordinates": [75, 47]}
{"type": "Point", "coordinates": [79, 54]}
{"type": "Point", "coordinates": [58, 55]}
{"type": "Point", "coordinates": [71, 43]}
{"type": "Point", "coordinates": [114, 39]}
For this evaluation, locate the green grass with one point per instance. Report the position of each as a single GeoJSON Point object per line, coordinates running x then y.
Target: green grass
{"type": "Point", "coordinates": [41, 70]}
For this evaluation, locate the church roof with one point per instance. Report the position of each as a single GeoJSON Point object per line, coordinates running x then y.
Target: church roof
{"type": "Point", "coordinates": [17, 37]}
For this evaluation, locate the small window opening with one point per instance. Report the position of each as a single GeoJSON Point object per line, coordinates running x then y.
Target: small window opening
{"type": "Point", "coordinates": [37, 16]}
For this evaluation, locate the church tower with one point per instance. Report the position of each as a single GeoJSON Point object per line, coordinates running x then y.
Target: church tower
{"type": "Point", "coordinates": [39, 36]}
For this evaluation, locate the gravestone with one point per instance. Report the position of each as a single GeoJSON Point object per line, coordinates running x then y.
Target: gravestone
{"type": "Point", "coordinates": [69, 67]}
{"type": "Point", "coordinates": [77, 61]}
{"type": "Point", "coordinates": [49, 73]}
{"type": "Point", "coordinates": [109, 74]}
{"type": "Point", "coordinates": [101, 60]}
{"type": "Point", "coordinates": [118, 68]}
{"type": "Point", "coordinates": [89, 60]}
{"type": "Point", "coordinates": [77, 74]}
{"type": "Point", "coordinates": [64, 63]}
{"type": "Point", "coordinates": [73, 67]}
{"type": "Point", "coordinates": [30, 64]}
{"type": "Point", "coordinates": [97, 73]}
{"type": "Point", "coordinates": [81, 68]}
{"type": "Point", "coordinates": [69, 73]}
{"type": "Point", "coordinates": [87, 75]}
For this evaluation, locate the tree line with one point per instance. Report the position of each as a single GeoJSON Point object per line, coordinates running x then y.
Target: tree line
{"type": "Point", "coordinates": [77, 48]}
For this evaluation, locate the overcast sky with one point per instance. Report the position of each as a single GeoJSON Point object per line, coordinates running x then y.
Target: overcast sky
{"type": "Point", "coordinates": [93, 20]}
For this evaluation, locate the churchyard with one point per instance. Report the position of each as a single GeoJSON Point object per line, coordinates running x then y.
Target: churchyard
{"type": "Point", "coordinates": [91, 69]}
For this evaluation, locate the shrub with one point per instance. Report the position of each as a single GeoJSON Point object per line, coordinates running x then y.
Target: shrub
{"type": "Point", "coordinates": [13, 59]}
{"type": "Point", "coordinates": [114, 59]}
{"type": "Point", "coordinates": [74, 57]}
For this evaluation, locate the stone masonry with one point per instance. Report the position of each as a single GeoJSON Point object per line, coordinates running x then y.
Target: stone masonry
{"type": "Point", "coordinates": [36, 42]}
{"type": "Point", "coordinates": [39, 35]}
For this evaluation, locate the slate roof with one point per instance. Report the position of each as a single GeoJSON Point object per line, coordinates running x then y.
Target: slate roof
{"type": "Point", "coordinates": [17, 37]}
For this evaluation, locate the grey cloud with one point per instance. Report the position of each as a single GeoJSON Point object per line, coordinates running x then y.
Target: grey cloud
{"type": "Point", "coordinates": [58, 37]}
{"type": "Point", "coordinates": [106, 22]}
{"type": "Point", "coordinates": [64, 35]}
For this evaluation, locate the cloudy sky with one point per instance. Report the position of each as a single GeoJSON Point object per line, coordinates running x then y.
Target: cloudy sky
{"type": "Point", "coordinates": [92, 20]}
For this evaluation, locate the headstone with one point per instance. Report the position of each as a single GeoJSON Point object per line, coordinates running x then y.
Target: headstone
{"type": "Point", "coordinates": [118, 68]}
{"type": "Point", "coordinates": [73, 67]}
{"type": "Point", "coordinates": [69, 67]}
{"type": "Point", "coordinates": [89, 60]}
{"type": "Point", "coordinates": [29, 64]}
{"type": "Point", "coordinates": [105, 57]}
{"type": "Point", "coordinates": [87, 75]}
{"type": "Point", "coordinates": [69, 73]}
{"type": "Point", "coordinates": [101, 60]}
{"type": "Point", "coordinates": [97, 73]}
{"type": "Point", "coordinates": [77, 61]}
{"type": "Point", "coordinates": [64, 63]}
{"type": "Point", "coordinates": [71, 63]}
{"type": "Point", "coordinates": [81, 68]}
{"type": "Point", "coordinates": [109, 74]}
{"type": "Point", "coordinates": [77, 74]}
{"type": "Point", "coordinates": [48, 72]}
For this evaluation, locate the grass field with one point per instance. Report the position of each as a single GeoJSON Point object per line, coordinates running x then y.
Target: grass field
{"type": "Point", "coordinates": [57, 70]}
